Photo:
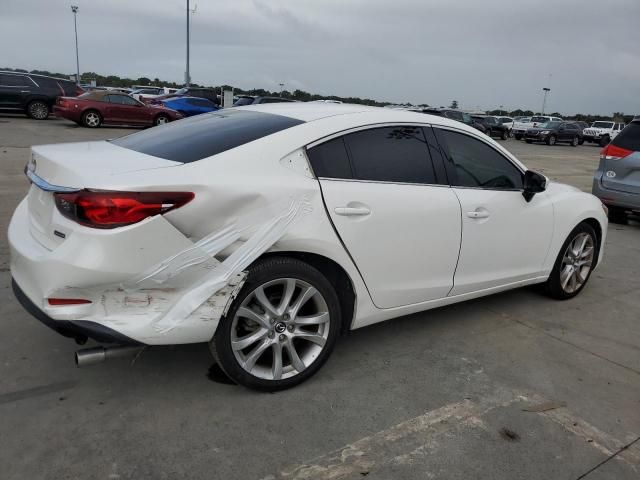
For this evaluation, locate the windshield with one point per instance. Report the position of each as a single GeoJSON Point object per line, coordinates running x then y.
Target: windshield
{"type": "Point", "coordinates": [243, 101]}
{"type": "Point", "coordinates": [602, 125]}
{"type": "Point", "coordinates": [550, 125]}
{"type": "Point", "coordinates": [466, 118]}
{"type": "Point", "coordinates": [182, 91]}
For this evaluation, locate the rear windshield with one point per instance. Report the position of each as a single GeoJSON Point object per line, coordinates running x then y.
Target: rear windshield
{"type": "Point", "coordinates": [629, 138]}
{"type": "Point", "coordinates": [539, 119]}
{"type": "Point", "coordinates": [202, 136]}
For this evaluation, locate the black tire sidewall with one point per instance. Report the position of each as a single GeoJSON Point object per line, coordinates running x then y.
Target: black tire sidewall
{"type": "Point", "coordinates": [553, 285]}
{"type": "Point", "coordinates": [34, 102]}
{"type": "Point", "coordinates": [261, 272]}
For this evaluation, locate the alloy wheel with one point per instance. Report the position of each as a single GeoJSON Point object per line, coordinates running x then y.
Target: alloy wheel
{"type": "Point", "coordinates": [92, 119]}
{"type": "Point", "coordinates": [161, 120]}
{"type": "Point", "coordinates": [38, 110]}
{"type": "Point", "coordinates": [577, 262]}
{"type": "Point", "coordinates": [280, 329]}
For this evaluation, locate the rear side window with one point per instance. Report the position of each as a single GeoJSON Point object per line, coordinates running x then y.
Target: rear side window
{"type": "Point", "coordinates": [391, 154]}
{"type": "Point", "coordinates": [473, 163]}
{"type": "Point", "coordinates": [629, 138]}
{"type": "Point", "coordinates": [330, 159]}
{"type": "Point", "coordinates": [202, 136]}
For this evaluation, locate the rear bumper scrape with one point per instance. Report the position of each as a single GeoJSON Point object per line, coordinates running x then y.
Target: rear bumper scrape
{"type": "Point", "coordinates": [212, 281]}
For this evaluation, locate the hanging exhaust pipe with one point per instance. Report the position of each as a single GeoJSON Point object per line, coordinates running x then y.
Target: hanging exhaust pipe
{"type": "Point", "coordinates": [95, 355]}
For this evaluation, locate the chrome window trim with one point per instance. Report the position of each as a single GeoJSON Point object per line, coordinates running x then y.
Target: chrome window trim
{"type": "Point", "coordinates": [383, 182]}
{"type": "Point", "coordinates": [371, 126]}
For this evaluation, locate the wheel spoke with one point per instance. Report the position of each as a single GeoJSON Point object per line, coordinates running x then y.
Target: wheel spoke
{"type": "Point", "coordinates": [312, 337]}
{"type": "Point", "coordinates": [276, 368]}
{"type": "Point", "coordinates": [565, 275]}
{"type": "Point", "coordinates": [587, 252]}
{"type": "Point", "coordinates": [244, 342]}
{"type": "Point", "coordinates": [264, 301]}
{"type": "Point", "coordinates": [251, 315]}
{"type": "Point", "coordinates": [287, 294]}
{"type": "Point", "coordinates": [293, 356]}
{"type": "Point", "coordinates": [255, 354]}
{"type": "Point", "coordinates": [302, 299]}
{"type": "Point", "coordinates": [313, 319]}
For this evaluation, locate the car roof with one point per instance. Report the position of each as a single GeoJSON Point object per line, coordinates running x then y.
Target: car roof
{"type": "Point", "coordinates": [34, 75]}
{"type": "Point", "coordinates": [312, 111]}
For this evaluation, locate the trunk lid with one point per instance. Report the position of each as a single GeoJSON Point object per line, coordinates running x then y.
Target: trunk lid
{"type": "Point", "coordinates": [75, 166]}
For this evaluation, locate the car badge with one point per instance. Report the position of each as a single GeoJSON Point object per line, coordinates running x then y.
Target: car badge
{"type": "Point", "coordinates": [611, 174]}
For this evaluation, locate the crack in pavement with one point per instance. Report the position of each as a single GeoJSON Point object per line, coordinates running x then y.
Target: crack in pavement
{"type": "Point", "coordinates": [613, 455]}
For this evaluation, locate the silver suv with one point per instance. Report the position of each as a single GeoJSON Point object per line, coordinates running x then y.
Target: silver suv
{"type": "Point", "coordinates": [617, 180]}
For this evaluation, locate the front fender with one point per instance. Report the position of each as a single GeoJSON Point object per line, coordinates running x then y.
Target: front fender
{"type": "Point", "coordinates": [572, 207]}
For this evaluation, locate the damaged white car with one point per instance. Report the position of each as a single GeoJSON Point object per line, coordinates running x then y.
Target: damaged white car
{"type": "Point", "coordinates": [268, 230]}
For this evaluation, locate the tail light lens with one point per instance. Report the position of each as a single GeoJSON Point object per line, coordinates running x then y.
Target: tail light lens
{"type": "Point", "coordinates": [117, 209]}
{"type": "Point", "coordinates": [613, 152]}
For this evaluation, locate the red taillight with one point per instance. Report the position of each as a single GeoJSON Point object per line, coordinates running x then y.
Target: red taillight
{"type": "Point", "coordinates": [67, 301]}
{"type": "Point", "coordinates": [613, 152]}
{"type": "Point", "coordinates": [116, 209]}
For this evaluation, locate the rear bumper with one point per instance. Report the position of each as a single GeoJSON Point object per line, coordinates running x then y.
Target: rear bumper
{"type": "Point", "coordinates": [80, 330]}
{"type": "Point", "coordinates": [614, 198]}
{"type": "Point", "coordinates": [65, 113]}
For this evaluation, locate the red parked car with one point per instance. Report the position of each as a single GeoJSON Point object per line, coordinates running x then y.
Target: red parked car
{"type": "Point", "coordinates": [92, 109]}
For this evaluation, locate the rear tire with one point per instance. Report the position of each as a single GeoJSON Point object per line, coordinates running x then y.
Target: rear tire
{"type": "Point", "coordinates": [161, 119]}
{"type": "Point", "coordinates": [574, 263]}
{"type": "Point", "coordinates": [518, 136]}
{"type": "Point", "coordinates": [280, 348]}
{"type": "Point", "coordinates": [581, 141]}
{"type": "Point", "coordinates": [529, 141]}
{"type": "Point", "coordinates": [91, 119]}
{"type": "Point", "coordinates": [38, 110]}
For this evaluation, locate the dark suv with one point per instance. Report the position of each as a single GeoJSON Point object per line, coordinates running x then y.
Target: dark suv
{"type": "Point", "coordinates": [554, 132]}
{"type": "Point", "coordinates": [495, 128]}
{"type": "Point", "coordinates": [32, 94]}
{"type": "Point", "coordinates": [456, 115]}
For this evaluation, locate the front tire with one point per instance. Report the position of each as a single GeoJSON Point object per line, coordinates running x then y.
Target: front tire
{"type": "Point", "coordinates": [574, 264]}
{"type": "Point", "coordinates": [38, 110]}
{"type": "Point", "coordinates": [504, 135]}
{"type": "Point", "coordinates": [575, 142]}
{"type": "Point", "coordinates": [551, 140]}
{"type": "Point", "coordinates": [528, 141]}
{"type": "Point", "coordinates": [281, 327]}
{"type": "Point", "coordinates": [604, 141]}
{"type": "Point", "coordinates": [488, 132]}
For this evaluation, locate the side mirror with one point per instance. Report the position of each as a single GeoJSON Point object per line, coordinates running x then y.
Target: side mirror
{"type": "Point", "coordinates": [533, 183]}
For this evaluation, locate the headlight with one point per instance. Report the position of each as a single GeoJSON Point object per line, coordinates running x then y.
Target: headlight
{"type": "Point", "coordinates": [544, 132]}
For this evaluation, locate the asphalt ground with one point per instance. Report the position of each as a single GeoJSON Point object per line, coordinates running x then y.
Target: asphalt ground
{"type": "Point", "coordinates": [510, 386]}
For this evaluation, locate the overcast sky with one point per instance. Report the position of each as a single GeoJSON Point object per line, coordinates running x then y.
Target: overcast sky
{"type": "Point", "coordinates": [482, 53]}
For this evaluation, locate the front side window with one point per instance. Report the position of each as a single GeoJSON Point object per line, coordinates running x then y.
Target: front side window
{"type": "Point", "coordinates": [391, 154]}
{"type": "Point", "coordinates": [13, 80]}
{"type": "Point", "coordinates": [473, 163]}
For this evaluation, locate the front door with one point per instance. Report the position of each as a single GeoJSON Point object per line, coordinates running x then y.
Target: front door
{"type": "Point", "coordinates": [505, 239]}
{"type": "Point", "coordinates": [400, 227]}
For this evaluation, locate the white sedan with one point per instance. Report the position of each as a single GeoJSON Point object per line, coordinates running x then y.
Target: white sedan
{"type": "Point", "coordinates": [268, 230]}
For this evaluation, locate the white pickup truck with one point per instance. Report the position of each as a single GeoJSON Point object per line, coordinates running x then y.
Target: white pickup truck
{"type": "Point", "coordinates": [521, 127]}
{"type": "Point", "coordinates": [602, 132]}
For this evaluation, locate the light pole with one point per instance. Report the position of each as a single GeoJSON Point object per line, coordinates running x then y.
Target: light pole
{"type": "Point", "coordinates": [546, 90]}
{"type": "Point", "coordinates": [281, 88]}
{"type": "Point", "coordinates": [187, 78]}
{"type": "Point", "coordinates": [74, 9]}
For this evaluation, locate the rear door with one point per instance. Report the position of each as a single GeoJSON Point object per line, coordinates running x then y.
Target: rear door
{"type": "Point", "coordinates": [622, 165]}
{"type": "Point", "coordinates": [396, 218]}
{"type": "Point", "coordinates": [505, 239]}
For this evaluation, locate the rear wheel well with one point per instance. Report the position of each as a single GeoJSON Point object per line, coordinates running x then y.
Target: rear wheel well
{"type": "Point", "coordinates": [336, 275]}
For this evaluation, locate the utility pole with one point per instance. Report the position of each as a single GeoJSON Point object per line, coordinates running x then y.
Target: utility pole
{"type": "Point", "coordinates": [74, 9]}
{"type": "Point", "coordinates": [546, 90]}
{"type": "Point", "coordinates": [281, 88]}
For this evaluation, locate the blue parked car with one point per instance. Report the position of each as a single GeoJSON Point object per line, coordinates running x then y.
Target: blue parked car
{"type": "Point", "coordinates": [189, 106]}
